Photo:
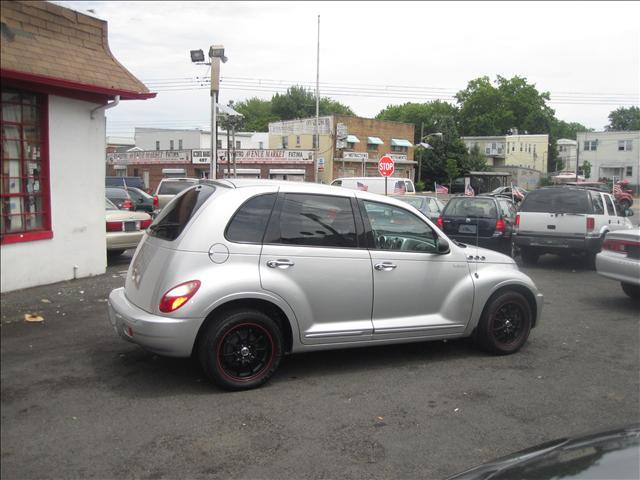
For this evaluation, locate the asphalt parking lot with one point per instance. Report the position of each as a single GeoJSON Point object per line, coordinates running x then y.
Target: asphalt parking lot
{"type": "Point", "coordinates": [78, 402]}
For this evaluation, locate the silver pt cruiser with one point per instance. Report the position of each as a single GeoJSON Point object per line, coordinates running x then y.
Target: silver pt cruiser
{"type": "Point", "coordinates": [240, 272]}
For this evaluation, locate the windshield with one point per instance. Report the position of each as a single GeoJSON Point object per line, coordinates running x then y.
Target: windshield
{"type": "Point", "coordinates": [173, 187]}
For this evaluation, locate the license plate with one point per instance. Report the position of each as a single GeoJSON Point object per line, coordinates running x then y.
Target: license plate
{"type": "Point", "coordinates": [467, 229]}
{"type": "Point", "coordinates": [130, 226]}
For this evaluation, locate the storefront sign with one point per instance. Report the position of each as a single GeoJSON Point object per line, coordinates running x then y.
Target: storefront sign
{"type": "Point", "coordinates": [149, 156]}
{"type": "Point", "coordinates": [355, 156]}
{"type": "Point", "coordinates": [301, 127]}
{"type": "Point", "coordinates": [397, 157]}
{"type": "Point", "coordinates": [255, 156]}
{"type": "Point", "coordinates": [201, 156]}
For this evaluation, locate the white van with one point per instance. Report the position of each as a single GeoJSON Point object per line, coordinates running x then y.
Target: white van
{"type": "Point", "coordinates": [395, 186]}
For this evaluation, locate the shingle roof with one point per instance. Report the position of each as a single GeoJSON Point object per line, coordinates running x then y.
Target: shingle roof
{"type": "Point", "coordinates": [50, 44]}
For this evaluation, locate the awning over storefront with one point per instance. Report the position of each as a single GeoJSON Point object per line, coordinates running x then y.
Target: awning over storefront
{"type": "Point", "coordinates": [374, 141]}
{"type": "Point", "coordinates": [352, 139]}
{"type": "Point", "coordinates": [400, 142]}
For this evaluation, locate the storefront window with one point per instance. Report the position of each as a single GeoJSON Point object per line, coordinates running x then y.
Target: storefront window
{"type": "Point", "coordinates": [24, 186]}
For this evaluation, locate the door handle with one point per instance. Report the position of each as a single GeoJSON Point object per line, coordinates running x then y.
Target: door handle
{"type": "Point", "coordinates": [384, 266]}
{"type": "Point", "coordinates": [280, 263]}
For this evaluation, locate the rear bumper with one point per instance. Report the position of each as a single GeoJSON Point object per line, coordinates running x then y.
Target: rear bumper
{"type": "Point", "coordinates": [173, 337]}
{"type": "Point", "coordinates": [123, 240]}
{"type": "Point", "coordinates": [618, 267]}
{"type": "Point", "coordinates": [558, 244]}
{"type": "Point", "coordinates": [500, 243]}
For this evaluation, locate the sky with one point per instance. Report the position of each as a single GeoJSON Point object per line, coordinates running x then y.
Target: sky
{"type": "Point", "coordinates": [372, 54]}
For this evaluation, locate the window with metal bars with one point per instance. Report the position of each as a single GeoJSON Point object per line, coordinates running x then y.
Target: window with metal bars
{"type": "Point", "coordinates": [24, 187]}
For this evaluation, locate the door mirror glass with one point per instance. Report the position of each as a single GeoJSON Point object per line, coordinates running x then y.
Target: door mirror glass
{"type": "Point", "coordinates": [442, 245]}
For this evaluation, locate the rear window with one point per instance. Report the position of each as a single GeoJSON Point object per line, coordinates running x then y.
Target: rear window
{"type": "Point", "coordinates": [173, 187]}
{"type": "Point", "coordinates": [471, 207]}
{"type": "Point", "coordinates": [171, 221]}
{"type": "Point", "coordinates": [117, 193]}
{"type": "Point", "coordinates": [556, 200]}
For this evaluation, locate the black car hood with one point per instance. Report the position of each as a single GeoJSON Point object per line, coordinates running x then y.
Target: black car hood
{"type": "Point", "coordinates": [606, 455]}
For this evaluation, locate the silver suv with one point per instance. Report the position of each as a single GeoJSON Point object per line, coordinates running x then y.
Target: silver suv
{"type": "Point", "coordinates": [239, 273]}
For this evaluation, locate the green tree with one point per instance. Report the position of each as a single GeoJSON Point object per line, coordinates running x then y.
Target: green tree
{"type": "Point", "coordinates": [299, 102]}
{"type": "Point", "coordinates": [452, 170]}
{"type": "Point", "coordinates": [257, 114]}
{"type": "Point", "coordinates": [624, 119]}
{"type": "Point", "coordinates": [426, 117]}
{"type": "Point", "coordinates": [488, 109]}
{"type": "Point", "coordinates": [443, 147]}
{"type": "Point", "coordinates": [586, 169]}
{"type": "Point", "coordinates": [475, 161]}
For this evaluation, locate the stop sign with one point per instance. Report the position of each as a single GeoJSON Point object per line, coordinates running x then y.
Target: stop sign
{"type": "Point", "coordinates": [386, 166]}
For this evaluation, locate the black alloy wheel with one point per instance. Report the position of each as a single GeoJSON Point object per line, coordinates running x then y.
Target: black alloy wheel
{"type": "Point", "coordinates": [241, 349]}
{"type": "Point", "coordinates": [505, 323]}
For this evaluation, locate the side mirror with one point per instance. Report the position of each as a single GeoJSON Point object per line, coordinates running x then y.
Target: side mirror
{"type": "Point", "coordinates": [628, 212]}
{"type": "Point", "coordinates": [442, 245]}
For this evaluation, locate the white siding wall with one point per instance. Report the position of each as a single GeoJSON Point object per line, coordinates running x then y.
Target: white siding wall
{"type": "Point", "coordinates": [76, 162]}
{"type": "Point", "coordinates": [146, 139]}
{"type": "Point", "coordinates": [607, 156]}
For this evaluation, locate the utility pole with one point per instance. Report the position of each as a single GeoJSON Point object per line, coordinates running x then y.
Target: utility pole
{"type": "Point", "coordinates": [317, 136]}
{"type": "Point", "coordinates": [421, 152]}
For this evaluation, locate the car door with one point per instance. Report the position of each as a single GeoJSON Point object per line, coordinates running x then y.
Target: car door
{"type": "Point", "coordinates": [417, 292]}
{"type": "Point", "coordinates": [312, 258]}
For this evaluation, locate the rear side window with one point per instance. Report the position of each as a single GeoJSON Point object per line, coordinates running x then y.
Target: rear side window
{"type": "Point", "coordinates": [171, 221]}
{"type": "Point", "coordinates": [609, 203]}
{"type": "Point", "coordinates": [598, 205]}
{"type": "Point", "coordinates": [173, 188]}
{"type": "Point", "coordinates": [316, 220]}
{"type": "Point", "coordinates": [249, 222]}
{"type": "Point", "coordinates": [556, 200]}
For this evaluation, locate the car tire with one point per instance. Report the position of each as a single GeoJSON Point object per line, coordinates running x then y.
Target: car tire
{"type": "Point", "coordinates": [529, 256]}
{"type": "Point", "coordinates": [633, 291]}
{"type": "Point", "coordinates": [241, 349]}
{"type": "Point", "coordinates": [505, 323]}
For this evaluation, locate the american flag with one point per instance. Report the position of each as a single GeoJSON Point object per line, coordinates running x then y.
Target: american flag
{"type": "Point", "coordinates": [617, 190]}
{"type": "Point", "coordinates": [400, 188]}
{"type": "Point", "coordinates": [441, 189]}
{"type": "Point", "coordinates": [363, 187]}
{"type": "Point", "coordinates": [469, 192]}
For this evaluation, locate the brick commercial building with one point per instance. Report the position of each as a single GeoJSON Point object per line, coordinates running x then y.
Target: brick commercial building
{"type": "Point", "coordinates": [58, 77]}
{"type": "Point", "coordinates": [348, 146]}
{"type": "Point", "coordinates": [153, 165]}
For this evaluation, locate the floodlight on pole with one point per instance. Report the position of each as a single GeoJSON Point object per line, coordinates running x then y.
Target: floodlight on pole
{"type": "Point", "coordinates": [216, 54]}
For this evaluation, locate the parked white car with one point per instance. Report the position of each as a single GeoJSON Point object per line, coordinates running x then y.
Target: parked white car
{"type": "Point", "coordinates": [620, 260]}
{"type": "Point", "coordinates": [394, 185]}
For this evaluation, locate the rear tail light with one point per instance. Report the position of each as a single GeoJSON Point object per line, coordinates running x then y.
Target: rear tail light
{"type": "Point", "coordinates": [620, 246]}
{"type": "Point", "coordinates": [127, 205]}
{"type": "Point", "coordinates": [155, 201]}
{"type": "Point", "coordinates": [517, 220]}
{"type": "Point", "coordinates": [591, 224]}
{"type": "Point", "coordinates": [440, 223]}
{"type": "Point", "coordinates": [114, 226]}
{"type": "Point", "coordinates": [144, 224]}
{"type": "Point", "coordinates": [500, 226]}
{"type": "Point", "coordinates": [178, 296]}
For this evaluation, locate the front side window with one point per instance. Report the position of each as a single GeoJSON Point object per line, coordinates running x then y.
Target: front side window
{"type": "Point", "coordinates": [249, 222]}
{"type": "Point", "coordinates": [395, 228]}
{"type": "Point", "coordinates": [315, 221]}
{"type": "Point", "coordinates": [24, 185]}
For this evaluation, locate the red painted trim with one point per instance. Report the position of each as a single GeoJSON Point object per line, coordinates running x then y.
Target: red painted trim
{"type": "Point", "coordinates": [46, 232]}
{"type": "Point", "coordinates": [70, 85]}
{"type": "Point", "coordinates": [26, 237]}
